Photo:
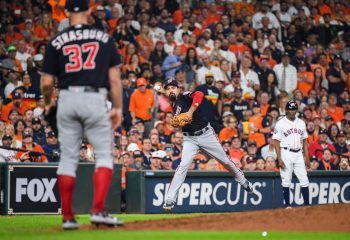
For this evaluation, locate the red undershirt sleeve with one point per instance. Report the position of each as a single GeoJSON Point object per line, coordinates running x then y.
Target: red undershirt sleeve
{"type": "Point", "coordinates": [197, 99]}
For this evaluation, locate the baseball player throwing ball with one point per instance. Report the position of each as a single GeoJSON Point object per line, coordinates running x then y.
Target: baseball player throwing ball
{"type": "Point", "coordinates": [189, 115]}
{"type": "Point", "coordinates": [292, 151]}
{"type": "Point", "coordinates": [85, 62]}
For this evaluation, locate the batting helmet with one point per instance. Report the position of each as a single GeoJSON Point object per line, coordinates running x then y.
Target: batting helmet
{"type": "Point", "coordinates": [292, 105]}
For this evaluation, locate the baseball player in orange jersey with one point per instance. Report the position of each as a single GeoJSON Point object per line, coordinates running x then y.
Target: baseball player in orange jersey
{"type": "Point", "coordinates": [85, 62]}
{"type": "Point", "coordinates": [291, 144]}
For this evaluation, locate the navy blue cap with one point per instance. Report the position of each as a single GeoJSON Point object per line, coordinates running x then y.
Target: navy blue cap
{"type": "Point", "coordinates": [27, 134]}
{"type": "Point", "coordinates": [170, 81]}
{"type": "Point", "coordinates": [250, 159]}
{"type": "Point", "coordinates": [77, 5]}
{"type": "Point", "coordinates": [323, 131]}
{"type": "Point", "coordinates": [256, 105]}
{"type": "Point", "coordinates": [286, 54]}
{"type": "Point", "coordinates": [36, 120]}
{"type": "Point", "coordinates": [341, 133]}
{"type": "Point", "coordinates": [292, 105]}
{"type": "Point", "coordinates": [6, 137]}
{"type": "Point", "coordinates": [337, 57]}
{"type": "Point", "coordinates": [51, 134]}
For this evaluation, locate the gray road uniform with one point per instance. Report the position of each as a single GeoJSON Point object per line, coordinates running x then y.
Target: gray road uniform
{"type": "Point", "coordinates": [80, 57]}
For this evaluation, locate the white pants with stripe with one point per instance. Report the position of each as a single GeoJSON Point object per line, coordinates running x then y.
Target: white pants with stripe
{"type": "Point", "coordinates": [293, 162]}
{"type": "Point", "coordinates": [210, 144]}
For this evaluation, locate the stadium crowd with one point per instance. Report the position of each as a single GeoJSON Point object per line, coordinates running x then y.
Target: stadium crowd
{"type": "Point", "coordinates": [247, 57]}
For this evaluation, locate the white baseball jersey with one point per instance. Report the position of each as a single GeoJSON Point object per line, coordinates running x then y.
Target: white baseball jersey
{"type": "Point", "coordinates": [290, 133]}
{"type": "Point", "coordinates": [7, 156]}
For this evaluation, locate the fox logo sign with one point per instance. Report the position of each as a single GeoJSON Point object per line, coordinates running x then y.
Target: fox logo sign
{"type": "Point", "coordinates": [37, 190]}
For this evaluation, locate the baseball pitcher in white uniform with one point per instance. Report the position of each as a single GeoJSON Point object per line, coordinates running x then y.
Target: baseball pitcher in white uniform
{"type": "Point", "coordinates": [291, 146]}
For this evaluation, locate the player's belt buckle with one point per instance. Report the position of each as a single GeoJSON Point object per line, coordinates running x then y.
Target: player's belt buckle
{"type": "Point", "coordinates": [76, 89]}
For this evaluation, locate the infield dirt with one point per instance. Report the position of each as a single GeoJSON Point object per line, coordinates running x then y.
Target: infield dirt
{"type": "Point", "coordinates": [313, 218]}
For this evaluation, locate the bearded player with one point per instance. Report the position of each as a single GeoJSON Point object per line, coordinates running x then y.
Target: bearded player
{"type": "Point", "coordinates": [198, 134]}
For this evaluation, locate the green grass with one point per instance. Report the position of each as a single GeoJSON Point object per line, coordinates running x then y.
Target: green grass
{"type": "Point", "coordinates": [46, 227]}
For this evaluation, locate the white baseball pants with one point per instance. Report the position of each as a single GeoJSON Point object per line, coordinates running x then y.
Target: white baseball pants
{"type": "Point", "coordinates": [293, 162]}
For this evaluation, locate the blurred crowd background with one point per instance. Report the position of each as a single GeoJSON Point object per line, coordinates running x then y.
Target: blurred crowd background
{"type": "Point", "coordinates": [247, 57]}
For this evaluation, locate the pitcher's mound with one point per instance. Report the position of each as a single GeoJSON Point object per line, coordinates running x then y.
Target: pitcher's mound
{"type": "Point", "coordinates": [314, 218]}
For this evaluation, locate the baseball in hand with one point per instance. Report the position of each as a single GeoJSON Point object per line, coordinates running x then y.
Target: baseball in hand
{"type": "Point", "coordinates": [157, 88]}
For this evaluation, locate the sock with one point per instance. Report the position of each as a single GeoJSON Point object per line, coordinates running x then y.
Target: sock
{"type": "Point", "coordinates": [305, 193]}
{"type": "Point", "coordinates": [66, 186]}
{"type": "Point", "coordinates": [286, 196]}
{"type": "Point", "coordinates": [101, 179]}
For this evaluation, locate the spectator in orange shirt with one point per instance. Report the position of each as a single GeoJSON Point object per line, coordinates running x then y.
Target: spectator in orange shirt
{"type": "Point", "coordinates": [145, 41]}
{"type": "Point", "coordinates": [312, 134]}
{"type": "Point", "coordinates": [133, 64]}
{"type": "Point", "coordinates": [17, 104]}
{"type": "Point", "coordinates": [113, 21]}
{"type": "Point", "coordinates": [323, 8]}
{"type": "Point", "coordinates": [29, 145]}
{"type": "Point", "coordinates": [142, 104]}
{"type": "Point", "coordinates": [12, 36]}
{"type": "Point", "coordinates": [45, 29]}
{"type": "Point", "coordinates": [256, 129]}
{"type": "Point", "coordinates": [243, 8]}
{"type": "Point", "coordinates": [237, 46]}
{"type": "Point", "coordinates": [179, 14]}
{"type": "Point", "coordinates": [236, 152]}
{"type": "Point", "coordinates": [305, 79]}
{"type": "Point", "coordinates": [186, 44]}
{"type": "Point", "coordinates": [335, 112]}
{"type": "Point", "coordinates": [264, 102]}
{"type": "Point", "coordinates": [230, 129]}
{"type": "Point", "coordinates": [58, 7]}
{"type": "Point", "coordinates": [168, 129]}
{"type": "Point", "coordinates": [213, 16]}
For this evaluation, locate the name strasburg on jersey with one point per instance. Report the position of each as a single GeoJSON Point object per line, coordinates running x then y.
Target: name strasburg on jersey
{"type": "Point", "coordinates": [77, 35]}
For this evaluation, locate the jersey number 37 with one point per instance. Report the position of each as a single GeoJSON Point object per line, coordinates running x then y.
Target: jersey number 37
{"type": "Point", "coordinates": [75, 52]}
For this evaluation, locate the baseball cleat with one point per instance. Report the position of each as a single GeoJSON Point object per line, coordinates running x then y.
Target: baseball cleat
{"type": "Point", "coordinates": [104, 218]}
{"type": "Point", "coordinates": [168, 206]}
{"type": "Point", "coordinates": [248, 187]}
{"type": "Point", "coordinates": [70, 224]}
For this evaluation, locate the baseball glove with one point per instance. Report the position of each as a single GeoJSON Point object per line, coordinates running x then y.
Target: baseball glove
{"type": "Point", "coordinates": [180, 120]}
